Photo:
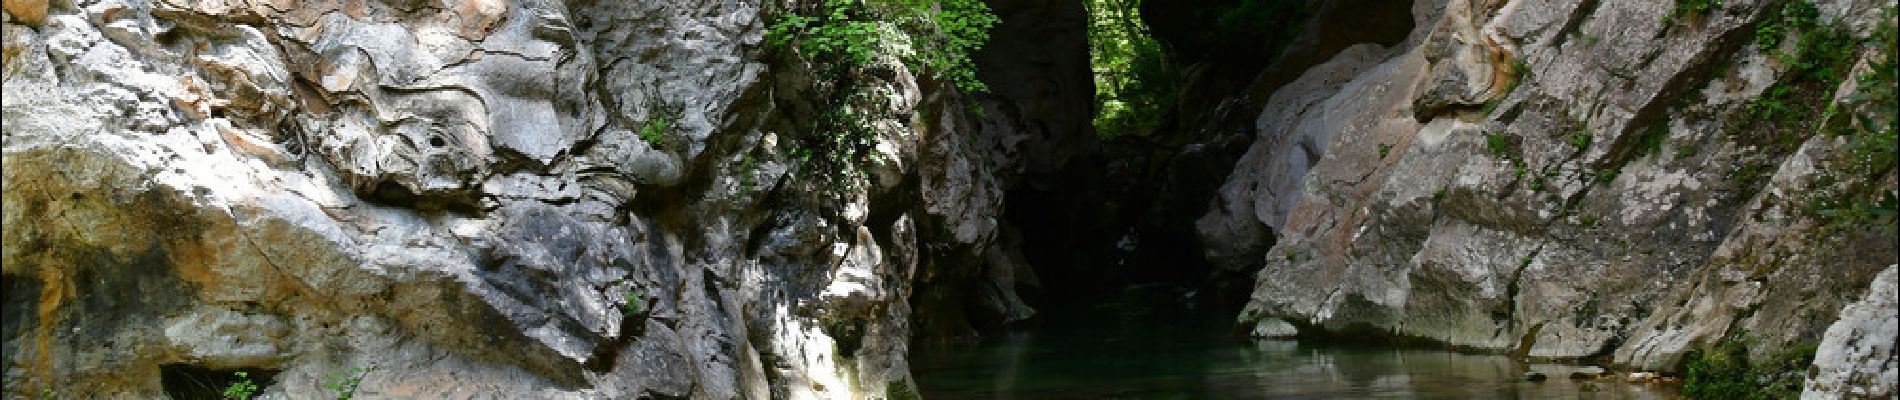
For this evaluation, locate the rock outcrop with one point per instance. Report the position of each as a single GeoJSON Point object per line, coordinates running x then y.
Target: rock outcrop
{"type": "Point", "coordinates": [587, 199]}
{"type": "Point", "coordinates": [1860, 355]}
{"type": "Point", "coordinates": [1558, 179]}
{"type": "Point", "coordinates": [477, 198]}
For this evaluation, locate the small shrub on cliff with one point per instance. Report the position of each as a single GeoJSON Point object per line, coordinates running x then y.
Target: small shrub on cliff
{"type": "Point", "coordinates": [1793, 16]}
{"type": "Point", "coordinates": [654, 130]}
{"type": "Point", "coordinates": [1581, 138]}
{"type": "Point", "coordinates": [1497, 143]}
{"type": "Point", "coordinates": [1855, 193]}
{"type": "Point", "coordinates": [1724, 371]}
{"type": "Point", "coordinates": [633, 301]}
{"type": "Point", "coordinates": [844, 40]}
{"type": "Point", "coordinates": [935, 36]}
{"type": "Point", "coordinates": [662, 119]}
{"type": "Point", "coordinates": [901, 390]}
{"type": "Point", "coordinates": [242, 389]}
{"type": "Point", "coordinates": [1689, 8]}
{"type": "Point", "coordinates": [345, 382]}
{"type": "Point", "coordinates": [1652, 140]}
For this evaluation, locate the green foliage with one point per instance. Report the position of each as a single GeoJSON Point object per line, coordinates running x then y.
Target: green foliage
{"type": "Point", "coordinates": [748, 165]}
{"type": "Point", "coordinates": [1749, 174]}
{"type": "Point", "coordinates": [1686, 150]}
{"type": "Point", "coordinates": [662, 120]}
{"type": "Point", "coordinates": [654, 130]}
{"type": "Point", "coordinates": [1652, 140]}
{"type": "Point", "coordinates": [1724, 371]}
{"type": "Point", "coordinates": [1817, 64]}
{"type": "Point", "coordinates": [242, 389]}
{"type": "Point", "coordinates": [1581, 138]}
{"type": "Point", "coordinates": [1520, 70]}
{"type": "Point", "coordinates": [1609, 175]}
{"type": "Point", "coordinates": [1490, 106]}
{"type": "Point", "coordinates": [345, 382]}
{"type": "Point", "coordinates": [1794, 16]}
{"type": "Point", "coordinates": [1438, 194]}
{"type": "Point", "coordinates": [1873, 139]}
{"type": "Point", "coordinates": [1849, 191]}
{"type": "Point", "coordinates": [1134, 80]}
{"type": "Point", "coordinates": [843, 140]}
{"type": "Point", "coordinates": [901, 390]}
{"type": "Point", "coordinates": [1687, 8]}
{"type": "Point", "coordinates": [846, 38]}
{"type": "Point", "coordinates": [1384, 149]}
{"type": "Point", "coordinates": [936, 36]}
{"type": "Point", "coordinates": [1588, 220]}
{"type": "Point", "coordinates": [1498, 143]}
{"type": "Point", "coordinates": [966, 25]}
{"type": "Point", "coordinates": [632, 298]}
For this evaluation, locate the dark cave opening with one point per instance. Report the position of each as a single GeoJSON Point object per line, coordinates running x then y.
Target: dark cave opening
{"type": "Point", "coordinates": [187, 381]}
{"type": "Point", "coordinates": [1113, 222]}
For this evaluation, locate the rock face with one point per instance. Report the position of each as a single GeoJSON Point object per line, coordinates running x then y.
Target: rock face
{"type": "Point", "coordinates": [604, 199]}
{"type": "Point", "coordinates": [1557, 179]}
{"type": "Point", "coordinates": [460, 196]}
{"type": "Point", "coordinates": [1859, 357]}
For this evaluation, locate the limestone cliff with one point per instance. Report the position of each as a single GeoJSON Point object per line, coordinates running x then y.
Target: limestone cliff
{"type": "Point", "coordinates": [513, 199]}
{"type": "Point", "coordinates": [615, 199]}
{"type": "Point", "coordinates": [1559, 179]}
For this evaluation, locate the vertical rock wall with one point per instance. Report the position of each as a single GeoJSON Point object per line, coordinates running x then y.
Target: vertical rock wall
{"type": "Point", "coordinates": [1487, 184]}
{"type": "Point", "coordinates": [477, 198]}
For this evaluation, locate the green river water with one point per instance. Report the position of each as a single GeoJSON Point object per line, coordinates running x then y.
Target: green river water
{"type": "Point", "coordinates": [1107, 354]}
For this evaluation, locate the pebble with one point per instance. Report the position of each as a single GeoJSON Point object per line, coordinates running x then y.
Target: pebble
{"type": "Point", "coordinates": [1534, 376]}
{"type": "Point", "coordinates": [1641, 376]}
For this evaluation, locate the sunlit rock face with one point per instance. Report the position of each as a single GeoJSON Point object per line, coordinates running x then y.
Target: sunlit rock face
{"type": "Point", "coordinates": [1566, 236]}
{"type": "Point", "coordinates": [1857, 357]}
{"type": "Point", "coordinates": [456, 195]}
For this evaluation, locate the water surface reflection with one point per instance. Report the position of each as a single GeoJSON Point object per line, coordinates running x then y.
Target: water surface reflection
{"type": "Point", "coordinates": [1175, 358]}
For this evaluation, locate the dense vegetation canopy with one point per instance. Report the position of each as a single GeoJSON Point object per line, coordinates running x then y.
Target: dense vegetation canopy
{"type": "Point", "coordinates": [848, 41]}
{"type": "Point", "coordinates": [1134, 82]}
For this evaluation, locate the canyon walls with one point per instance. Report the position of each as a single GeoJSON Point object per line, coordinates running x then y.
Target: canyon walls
{"type": "Point", "coordinates": [1565, 180]}
{"type": "Point", "coordinates": [487, 198]}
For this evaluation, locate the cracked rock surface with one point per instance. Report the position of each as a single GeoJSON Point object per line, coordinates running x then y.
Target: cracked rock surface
{"type": "Point", "coordinates": [454, 194]}
{"type": "Point", "coordinates": [1482, 184]}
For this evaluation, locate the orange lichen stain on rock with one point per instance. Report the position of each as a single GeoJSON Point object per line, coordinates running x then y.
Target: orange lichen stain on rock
{"type": "Point", "coordinates": [249, 144]}
{"type": "Point", "coordinates": [194, 259]}
{"type": "Point", "coordinates": [30, 12]}
{"type": "Point", "coordinates": [54, 287]}
{"type": "Point", "coordinates": [355, 9]}
{"type": "Point", "coordinates": [1503, 68]}
{"type": "Point", "coordinates": [478, 17]}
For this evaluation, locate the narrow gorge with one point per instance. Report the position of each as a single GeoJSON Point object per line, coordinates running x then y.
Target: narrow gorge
{"type": "Point", "coordinates": [881, 199]}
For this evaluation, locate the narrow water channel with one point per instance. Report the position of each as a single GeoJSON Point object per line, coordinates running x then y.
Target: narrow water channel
{"type": "Point", "coordinates": [1111, 353]}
